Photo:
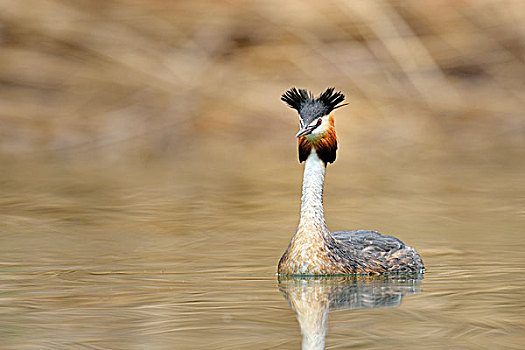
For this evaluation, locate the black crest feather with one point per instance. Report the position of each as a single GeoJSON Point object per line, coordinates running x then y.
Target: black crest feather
{"type": "Point", "coordinates": [310, 108]}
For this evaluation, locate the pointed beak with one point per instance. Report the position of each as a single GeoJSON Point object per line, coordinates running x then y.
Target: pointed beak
{"type": "Point", "coordinates": [305, 131]}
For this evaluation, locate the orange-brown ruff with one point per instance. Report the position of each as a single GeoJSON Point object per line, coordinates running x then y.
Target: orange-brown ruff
{"type": "Point", "coordinates": [325, 145]}
{"type": "Point", "coordinates": [313, 250]}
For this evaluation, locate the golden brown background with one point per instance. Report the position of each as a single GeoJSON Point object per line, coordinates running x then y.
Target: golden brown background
{"type": "Point", "coordinates": [147, 79]}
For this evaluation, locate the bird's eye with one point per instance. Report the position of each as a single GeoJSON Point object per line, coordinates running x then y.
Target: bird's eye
{"type": "Point", "coordinates": [319, 122]}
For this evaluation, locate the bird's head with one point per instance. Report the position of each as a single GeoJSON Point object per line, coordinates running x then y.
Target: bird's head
{"type": "Point", "coordinates": [317, 126]}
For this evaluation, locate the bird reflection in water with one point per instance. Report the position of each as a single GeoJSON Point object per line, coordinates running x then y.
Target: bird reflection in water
{"type": "Point", "coordinates": [312, 298]}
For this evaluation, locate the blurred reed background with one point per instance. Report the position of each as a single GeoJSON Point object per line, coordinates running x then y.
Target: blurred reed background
{"type": "Point", "coordinates": [153, 79]}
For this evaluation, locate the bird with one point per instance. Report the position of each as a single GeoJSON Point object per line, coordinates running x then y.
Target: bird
{"type": "Point", "coordinates": [313, 249]}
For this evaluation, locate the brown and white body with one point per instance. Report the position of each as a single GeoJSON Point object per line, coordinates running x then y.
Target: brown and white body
{"type": "Point", "coordinates": [313, 250]}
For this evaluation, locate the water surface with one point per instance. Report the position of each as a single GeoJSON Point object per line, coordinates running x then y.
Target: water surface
{"type": "Point", "coordinates": [160, 256]}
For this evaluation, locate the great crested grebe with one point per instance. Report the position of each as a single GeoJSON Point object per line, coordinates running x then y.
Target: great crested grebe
{"type": "Point", "coordinates": [313, 250]}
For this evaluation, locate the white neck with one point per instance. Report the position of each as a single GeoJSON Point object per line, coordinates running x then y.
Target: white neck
{"type": "Point", "coordinates": [312, 214]}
